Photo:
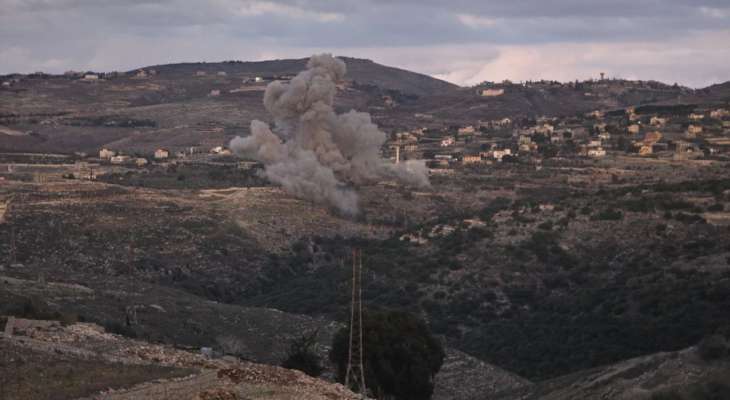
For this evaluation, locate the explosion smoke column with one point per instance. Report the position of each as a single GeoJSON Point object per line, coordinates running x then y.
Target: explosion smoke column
{"type": "Point", "coordinates": [314, 153]}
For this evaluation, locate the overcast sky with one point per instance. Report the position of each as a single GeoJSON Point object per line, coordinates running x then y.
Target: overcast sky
{"type": "Point", "coordinates": [462, 41]}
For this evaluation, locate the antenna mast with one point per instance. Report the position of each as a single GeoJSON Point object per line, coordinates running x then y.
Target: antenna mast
{"type": "Point", "coordinates": [355, 377]}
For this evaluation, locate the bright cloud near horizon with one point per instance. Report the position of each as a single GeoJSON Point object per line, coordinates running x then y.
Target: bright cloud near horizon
{"type": "Point", "coordinates": [461, 41]}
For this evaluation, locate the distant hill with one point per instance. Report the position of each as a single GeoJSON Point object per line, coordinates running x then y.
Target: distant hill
{"type": "Point", "coordinates": [359, 70]}
{"type": "Point", "coordinates": [205, 105]}
{"type": "Point", "coordinates": [719, 92]}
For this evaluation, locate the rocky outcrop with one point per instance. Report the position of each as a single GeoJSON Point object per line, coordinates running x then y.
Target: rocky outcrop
{"type": "Point", "coordinates": [463, 377]}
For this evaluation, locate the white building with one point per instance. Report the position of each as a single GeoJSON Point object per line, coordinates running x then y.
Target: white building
{"type": "Point", "coordinates": [499, 154]}
{"type": "Point", "coordinates": [544, 129]}
{"type": "Point", "coordinates": [597, 152]}
{"type": "Point", "coordinates": [105, 153]}
{"type": "Point", "coordinates": [447, 141]}
{"type": "Point", "coordinates": [597, 114]}
{"type": "Point", "coordinates": [696, 117]}
{"type": "Point", "coordinates": [694, 130]}
{"type": "Point", "coordinates": [491, 92]}
{"type": "Point", "coordinates": [471, 159]}
{"type": "Point", "coordinates": [161, 154]}
{"type": "Point", "coordinates": [657, 121]}
{"type": "Point", "coordinates": [719, 113]}
{"type": "Point", "coordinates": [120, 159]}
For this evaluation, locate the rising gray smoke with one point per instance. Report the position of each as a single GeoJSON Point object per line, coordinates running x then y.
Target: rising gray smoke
{"type": "Point", "coordinates": [314, 153]}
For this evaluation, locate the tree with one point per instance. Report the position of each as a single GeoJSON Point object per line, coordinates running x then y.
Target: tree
{"type": "Point", "coordinates": [401, 356]}
{"type": "Point", "coordinates": [301, 355]}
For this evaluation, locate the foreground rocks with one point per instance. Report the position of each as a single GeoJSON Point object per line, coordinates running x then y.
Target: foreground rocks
{"type": "Point", "coordinates": [224, 378]}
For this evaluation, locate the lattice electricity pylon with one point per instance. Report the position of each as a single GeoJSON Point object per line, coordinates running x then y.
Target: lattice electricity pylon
{"type": "Point", "coordinates": [13, 253]}
{"type": "Point", "coordinates": [12, 257]}
{"type": "Point", "coordinates": [355, 377]}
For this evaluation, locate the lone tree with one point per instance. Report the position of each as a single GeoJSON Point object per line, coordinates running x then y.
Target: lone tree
{"type": "Point", "coordinates": [302, 355]}
{"type": "Point", "coordinates": [401, 356]}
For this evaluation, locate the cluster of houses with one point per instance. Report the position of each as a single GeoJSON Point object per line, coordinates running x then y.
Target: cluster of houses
{"type": "Point", "coordinates": [159, 155]}
{"type": "Point", "coordinates": [645, 132]}
{"type": "Point", "coordinates": [81, 76]}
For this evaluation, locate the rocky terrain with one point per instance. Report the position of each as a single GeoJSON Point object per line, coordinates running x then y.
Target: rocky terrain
{"type": "Point", "coordinates": [111, 365]}
{"type": "Point", "coordinates": [634, 379]}
{"type": "Point", "coordinates": [257, 334]}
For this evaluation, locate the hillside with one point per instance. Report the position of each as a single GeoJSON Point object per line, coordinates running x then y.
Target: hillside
{"type": "Point", "coordinates": [362, 71]}
{"type": "Point", "coordinates": [640, 378]}
{"type": "Point", "coordinates": [178, 262]}
{"type": "Point", "coordinates": [83, 361]}
{"type": "Point", "coordinates": [177, 106]}
{"type": "Point", "coordinates": [534, 99]}
{"type": "Point", "coordinates": [204, 105]}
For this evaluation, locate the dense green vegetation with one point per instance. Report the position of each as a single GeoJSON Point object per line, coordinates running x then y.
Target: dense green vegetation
{"type": "Point", "coordinates": [302, 355]}
{"type": "Point", "coordinates": [401, 358]}
{"type": "Point", "coordinates": [579, 315]}
{"type": "Point", "coordinates": [533, 306]}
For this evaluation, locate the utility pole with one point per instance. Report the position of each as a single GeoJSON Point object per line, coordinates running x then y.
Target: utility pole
{"type": "Point", "coordinates": [13, 258]}
{"type": "Point", "coordinates": [355, 377]}
{"type": "Point", "coordinates": [130, 258]}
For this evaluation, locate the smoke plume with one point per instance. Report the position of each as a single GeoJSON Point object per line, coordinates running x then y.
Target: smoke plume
{"type": "Point", "coordinates": [314, 153]}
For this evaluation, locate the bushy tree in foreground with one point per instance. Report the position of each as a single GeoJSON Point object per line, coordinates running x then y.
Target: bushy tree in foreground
{"type": "Point", "coordinates": [302, 355]}
{"type": "Point", "coordinates": [401, 356]}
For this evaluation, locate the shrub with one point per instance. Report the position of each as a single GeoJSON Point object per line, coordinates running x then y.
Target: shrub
{"type": "Point", "coordinates": [546, 226]}
{"type": "Point", "coordinates": [495, 206]}
{"type": "Point", "coordinates": [666, 395]}
{"type": "Point", "coordinates": [302, 357]}
{"type": "Point", "coordinates": [608, 215]}
{"type": "Point", "coordinates": [401, 356]}
{"type": "Point", "coordinates": [717, 207]}
{"type": "Point", "coordinates": [216, 174]}
{"type": "Point", "coordinates": [642, 205]}
{"type": "Point", "coordinates": [689, 218]}
{"type": "Point", "coordinates": [118, 328]}
{"type": "Point", "coordinates": [231, 345]}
